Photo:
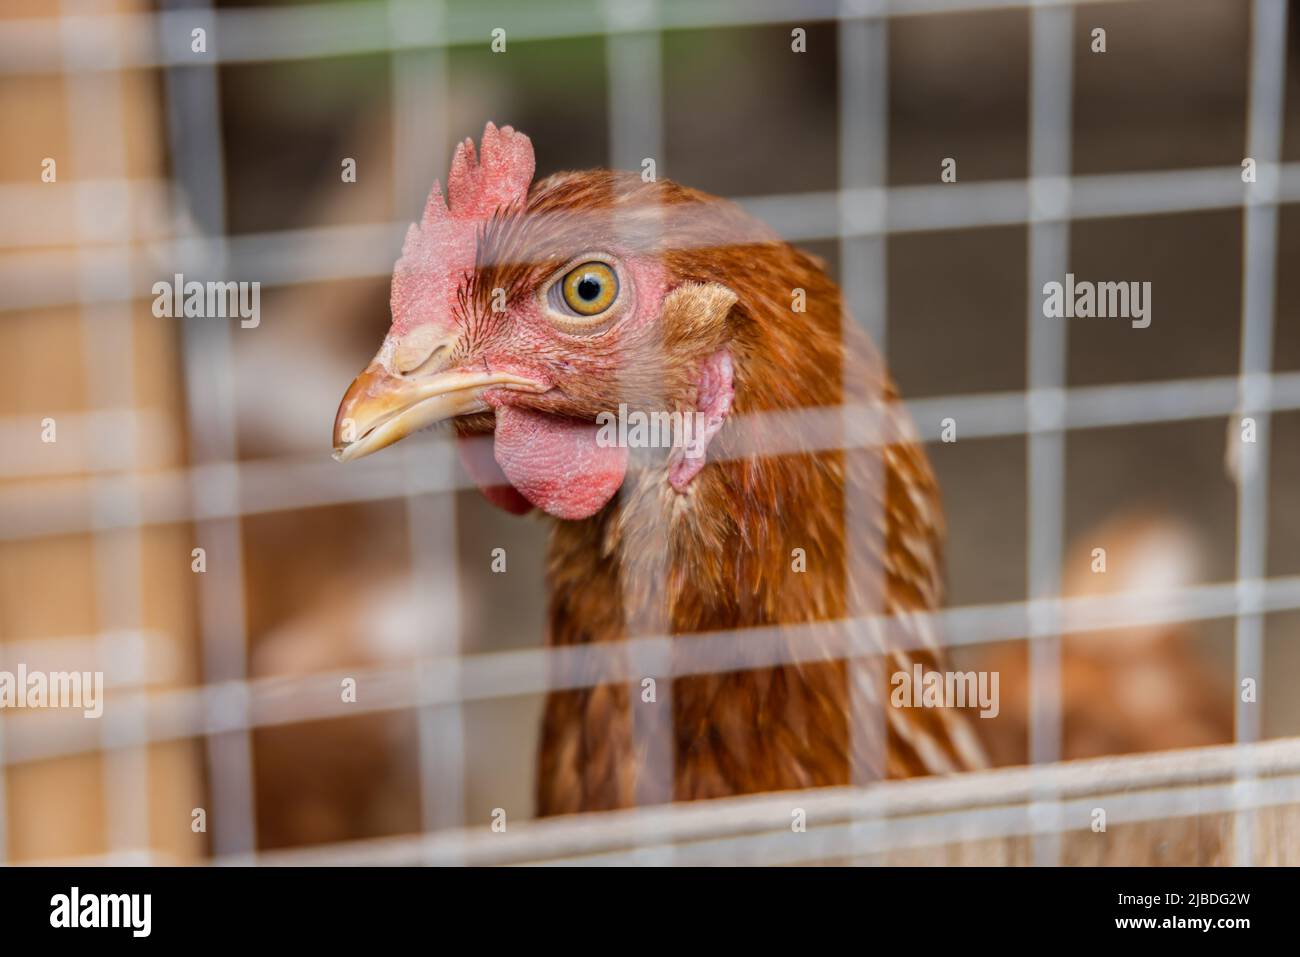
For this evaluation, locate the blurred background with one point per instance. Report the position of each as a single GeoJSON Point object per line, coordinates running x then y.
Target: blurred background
{"type": "Point", "coordinates": [183, 434]}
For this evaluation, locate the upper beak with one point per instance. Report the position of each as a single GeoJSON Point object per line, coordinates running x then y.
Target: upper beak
{"type": "Point", "coordinates": [381, 407]}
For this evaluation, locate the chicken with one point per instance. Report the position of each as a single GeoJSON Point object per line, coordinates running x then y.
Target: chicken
{"type": "Point", "coordinates": [523, 312]}
{"type": "Point", "coordinates": [1137, 688]}
{"type": "Point", "coordinates": [1133, 689]}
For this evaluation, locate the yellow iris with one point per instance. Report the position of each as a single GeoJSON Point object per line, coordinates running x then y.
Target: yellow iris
{"type": "Point", "coordinates": [589, 289]}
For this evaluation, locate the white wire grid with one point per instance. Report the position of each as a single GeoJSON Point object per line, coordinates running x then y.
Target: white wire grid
{"type": "Point", "coordinates": [117, 498]}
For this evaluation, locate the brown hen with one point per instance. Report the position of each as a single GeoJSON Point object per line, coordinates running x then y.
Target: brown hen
{"type": "Point", "coordinates": [526, 312]}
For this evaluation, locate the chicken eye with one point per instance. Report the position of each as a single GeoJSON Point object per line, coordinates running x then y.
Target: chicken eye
{"type": "Point", "coordinates": [589, 289]}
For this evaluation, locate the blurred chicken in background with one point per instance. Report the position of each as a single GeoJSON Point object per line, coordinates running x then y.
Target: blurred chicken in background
{"type": "Point", "coordinates": [1125, 690]}
{"type": "Point", "coordinates": [1137, 689]}
{"type": "Point", "coordinates": [349, 777]}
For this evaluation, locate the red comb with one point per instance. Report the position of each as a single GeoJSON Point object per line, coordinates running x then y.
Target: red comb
{"type": "Point", "coordinates": [439, 251]}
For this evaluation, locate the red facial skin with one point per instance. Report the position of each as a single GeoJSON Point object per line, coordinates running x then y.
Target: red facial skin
{"type": "Point", "coordinates": [545, 451]}
{"type": "Point", "coordinates": [546, 444]}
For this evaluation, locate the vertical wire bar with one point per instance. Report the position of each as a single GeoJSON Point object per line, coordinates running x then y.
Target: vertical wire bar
{"type": "Point", "coordinates": [420, 142]}
{"type": "Point", "coordinates": [1051, 94]}
{"type": "Point", "coordinates": [1259, 250]}
{"type": "Point", "coordinates": [4, 797]}
{"type": "Point", "coordinates": [634, 71]}
{"type": "Point", "coordinates": [95, 125]}
{"type": "Point", "coordinates": [863, 53]}
{"type": "Point", "coordinates": [863, 83]}
{"type": "Point", "coordinates": [194, 135]}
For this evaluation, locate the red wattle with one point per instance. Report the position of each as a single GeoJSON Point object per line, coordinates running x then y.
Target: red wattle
{"type": "Point", "coordinates": [476, 455]}
{"type": "Point", "coordinates": [555, 462]}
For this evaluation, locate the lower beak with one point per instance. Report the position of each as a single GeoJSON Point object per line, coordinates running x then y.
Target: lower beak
{"type": "Point", "coordinates": [381, 408]}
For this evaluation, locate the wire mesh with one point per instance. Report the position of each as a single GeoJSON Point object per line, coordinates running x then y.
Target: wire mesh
{"type": "Point", "coordinates": [124, 487]}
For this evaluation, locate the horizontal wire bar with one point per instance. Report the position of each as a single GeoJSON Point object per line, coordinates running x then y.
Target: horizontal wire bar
{"type": "Point", "coordinates": [311, 31]}
{"type": "Point", "coordinates": [92, 441]}
{"type": "Point", "coordinates": [845, 822]}
{"type": "Point", "coordinates": [50, 214]}
{"type": "Point", "coordinates": [128, 658]}
{"type": "Point", "coordinates": [39, 278]}
{"type": "Point", "coordinates": [75, 504]}
{"type": "Point", "coordinates": [843, 841]}
{"type": "Point", "coordinates": [910, 813]}
{"type": "Point", "coordinates": [143, 717]}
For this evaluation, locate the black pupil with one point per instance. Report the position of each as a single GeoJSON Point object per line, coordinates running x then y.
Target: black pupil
{"type": "Point", "coordinates": [588, 288]}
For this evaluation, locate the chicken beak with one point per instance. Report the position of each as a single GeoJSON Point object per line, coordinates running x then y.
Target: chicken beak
{"type": "Point", "coordinates": [381, 408]}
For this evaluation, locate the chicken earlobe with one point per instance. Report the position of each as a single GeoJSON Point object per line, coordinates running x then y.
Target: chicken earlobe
{"type": "Point", "coordinates": [715, 390]}
{"type": "Point", "coordinates": [695, 325]}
